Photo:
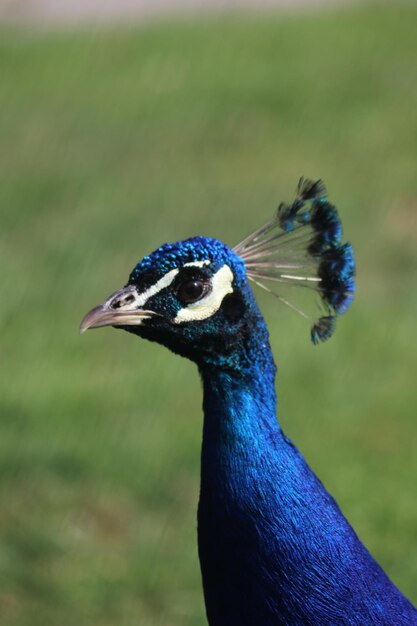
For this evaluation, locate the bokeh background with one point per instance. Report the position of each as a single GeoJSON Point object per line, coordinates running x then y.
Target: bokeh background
{"type": "Point", "coordinates": [118, 135]}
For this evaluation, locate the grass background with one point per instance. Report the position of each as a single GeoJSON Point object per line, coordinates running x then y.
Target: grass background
{"type": "Point", "coordinates": [114, 142]}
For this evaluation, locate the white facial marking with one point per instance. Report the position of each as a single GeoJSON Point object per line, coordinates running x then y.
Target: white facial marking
{"type": "Point", "coordinates": [142, 298]}
{"type": "Point", "coordinates": [207, 306]}
{"type": "Point", "coordinates": [197, 264]}
{"type": "Point", "coordinates": [221, 284]}
{"type": "Point", "coordinates": [162, 283]}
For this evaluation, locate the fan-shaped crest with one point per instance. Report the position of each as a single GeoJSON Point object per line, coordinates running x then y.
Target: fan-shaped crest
{"type": "Point", "coordinates": [301, 246]}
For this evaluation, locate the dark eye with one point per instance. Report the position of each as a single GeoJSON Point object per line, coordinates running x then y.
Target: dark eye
{"type": "Point", "coordinates": [191, 291]}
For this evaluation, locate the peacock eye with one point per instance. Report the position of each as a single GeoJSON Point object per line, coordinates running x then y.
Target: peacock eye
{"type": "Point", "coordinates": [192, 290]}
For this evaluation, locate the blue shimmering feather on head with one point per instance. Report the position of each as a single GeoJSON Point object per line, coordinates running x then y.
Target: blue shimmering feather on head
{"type": "Point", "coordinates": [196, 249]}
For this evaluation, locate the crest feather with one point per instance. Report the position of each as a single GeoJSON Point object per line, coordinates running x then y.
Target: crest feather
{"type": "Point", "coordinates": [302, 246]}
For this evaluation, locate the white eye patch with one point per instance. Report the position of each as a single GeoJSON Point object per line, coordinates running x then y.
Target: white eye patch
{"type": "Point", "coordinates": [197, 264]}
{"type": "Point", "coordinates": [162, 283]}
{"type": "Point", "coordinates": [166, 280]}
{"type": "Point", "coordinates": [221, 285]}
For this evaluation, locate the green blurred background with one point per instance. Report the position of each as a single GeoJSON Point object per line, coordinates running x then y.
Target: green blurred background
{"type": "Point", "coordinates": [116, 140]}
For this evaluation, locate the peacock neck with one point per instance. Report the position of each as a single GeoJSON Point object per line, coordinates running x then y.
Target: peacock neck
{"type": "Point", "coordinates": [240, 420]}
{"type": "Point", "coordinates": [269, 534]}
{"type": "Point", "coordinates": [243, 390]}
{"type": "Point", "coordinates": [241, 437]}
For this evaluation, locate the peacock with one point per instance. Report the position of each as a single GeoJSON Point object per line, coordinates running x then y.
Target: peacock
{"type": "Point", "coordinates": [274, 547]}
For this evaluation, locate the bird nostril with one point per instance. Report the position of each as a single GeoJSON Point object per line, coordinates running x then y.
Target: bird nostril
{"type": "Point", "coordinates": [118, 303]}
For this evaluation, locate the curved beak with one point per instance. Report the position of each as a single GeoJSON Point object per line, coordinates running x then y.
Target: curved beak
{"type": "Point", "coordinates": [120, 309]}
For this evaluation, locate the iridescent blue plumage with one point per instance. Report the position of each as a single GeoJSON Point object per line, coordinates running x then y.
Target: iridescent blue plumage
{"type": "Point", "coordinates": [275, 549]}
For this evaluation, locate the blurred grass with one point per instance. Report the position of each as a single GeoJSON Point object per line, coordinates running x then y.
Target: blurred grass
{"type": "Point", "coordinates": [114, 142]}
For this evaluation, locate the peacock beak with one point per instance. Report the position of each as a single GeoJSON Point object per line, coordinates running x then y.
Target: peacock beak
{"type": "Point", "coordinates": [120, 309]}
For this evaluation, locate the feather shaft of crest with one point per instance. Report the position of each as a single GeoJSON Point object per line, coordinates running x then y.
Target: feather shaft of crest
{"type": "Point", "coordinates": [293, 277]}
{"type": "Point", "coordinates": [285, 253]}
{"type": "Point", "coordinates": [280, 266]}
{"type": "Point", "coordinates": [288, 238]}
{"type": "Point", "coordinates": [253, 236]}
{"type": "Point", "coordinates": [262, 271]}
{"type": "Point", "coordinates": [302, 246]}
{"type": "Point", "coordinates": [284, 281]}
{"type": "Point", "coordinates": [281, 299]}
{"type": "Point", "coordinates": [291, 283]}
{"type": "Point", "coordinates": [284, 261]}
{"type": "Point", "coordinates": [282, 248]}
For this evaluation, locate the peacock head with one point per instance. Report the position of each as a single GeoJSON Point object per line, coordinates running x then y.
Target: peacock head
{"type": "Point", "coordinates": [194, 296]}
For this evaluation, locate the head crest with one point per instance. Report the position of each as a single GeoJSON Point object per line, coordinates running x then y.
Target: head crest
{"type": "Point", "coordinates": [301, 246]}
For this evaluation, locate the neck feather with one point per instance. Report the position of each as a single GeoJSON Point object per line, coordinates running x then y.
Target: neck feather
{"type": "Point", "coordinates": [242, 366]}
{"type": "Point", "coordinates": [240, 403]}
